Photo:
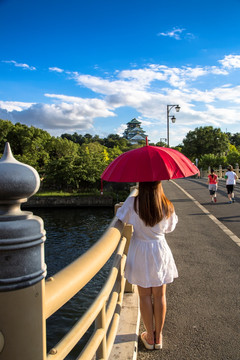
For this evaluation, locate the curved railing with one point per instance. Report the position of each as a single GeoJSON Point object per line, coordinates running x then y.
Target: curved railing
{"type": "Point", "coordinates": [105, 310]}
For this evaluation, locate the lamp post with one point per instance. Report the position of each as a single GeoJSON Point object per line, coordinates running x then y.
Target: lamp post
{"type": "Point", "coordinates": [169, 108]}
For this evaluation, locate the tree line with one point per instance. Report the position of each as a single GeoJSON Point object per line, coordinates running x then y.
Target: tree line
{"type": "Point", "coordinates": [212, 147]}
{"type": "Point", "coordinates": [76, 162]}
{"type": "Point", "coordinates": [69, 162]}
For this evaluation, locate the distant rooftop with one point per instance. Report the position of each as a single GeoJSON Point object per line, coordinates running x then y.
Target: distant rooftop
{"type": "Point", "coordinates": [134, 133]}
{"type": "Point", "coordinates": [134, 121]}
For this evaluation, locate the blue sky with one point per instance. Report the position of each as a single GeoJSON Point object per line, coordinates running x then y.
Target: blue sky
{"type": "Point", "coordinates": [91, 66]}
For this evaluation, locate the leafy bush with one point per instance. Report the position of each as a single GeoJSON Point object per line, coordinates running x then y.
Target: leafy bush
{"type": "Point", "coordinates": [212, 160]}
{"type": "Point", "coordinates": [233, 158]}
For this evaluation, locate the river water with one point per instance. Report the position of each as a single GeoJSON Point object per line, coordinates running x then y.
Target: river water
{"type": "Point", "coordinates": [70, 232]}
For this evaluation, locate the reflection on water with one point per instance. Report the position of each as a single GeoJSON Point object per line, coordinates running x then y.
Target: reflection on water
{"type": "Point", "coordinates": [70, 232]}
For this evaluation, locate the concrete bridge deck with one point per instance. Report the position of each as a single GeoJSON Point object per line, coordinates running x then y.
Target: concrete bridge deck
{"type": "Point", "coordinates": [203, 319]}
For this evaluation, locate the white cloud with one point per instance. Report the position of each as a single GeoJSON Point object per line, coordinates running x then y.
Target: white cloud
{"type": "Point", "coordinates": [231, 61]}
{"type": "Point", "coordinates": [24, 66]}
{"type": "Point", "coordinates": [140, 80]}
{"type": "Point", "coordinates": [231, 94]}
{"type": "Point", "coordinates": [175, 33]}
{"type": "Point", "coordinates": [145, 122]}
{"type": "Point", "coordinates": [98, 107]}
{"type": "Point", "coordinates": [120, 130]}
{"type": "Point", "coordinates": [143, 76]}
{"type": "Point", "coordinates": [218, 71]}
{"type": "Point", "coordinates": [100, 85]}
{"type": "Point", "coordinates": [56, 69]}
{"type": "Point", "coordinates": [69, 113]}
{"type": "Point", "coordinates": [147, 90]}
{"type": "Point", "coordinates": [14, 105]}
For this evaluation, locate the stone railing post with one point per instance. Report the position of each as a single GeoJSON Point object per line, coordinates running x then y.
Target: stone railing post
{"type": "Point", "coordinates": [237, 169]}
{"type": "Point", "coordinates": [22, 267]}
{"type": "Point", "coordinates": [220, 171]}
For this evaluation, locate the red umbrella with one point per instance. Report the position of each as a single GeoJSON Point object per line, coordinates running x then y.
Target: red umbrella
{"type": "Point", "coordinates": [149, 163]}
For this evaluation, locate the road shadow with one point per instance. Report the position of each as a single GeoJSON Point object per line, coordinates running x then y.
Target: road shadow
{"type": "Point", "coordinates": [230, 218]}
{"type": "Point", "coordinates": [180, 200]}
{"type": "Point", "coordinates": [215, 204]}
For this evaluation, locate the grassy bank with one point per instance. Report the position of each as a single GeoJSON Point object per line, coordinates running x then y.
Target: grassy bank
{"type": "Point", "coordinates": [116, 196]}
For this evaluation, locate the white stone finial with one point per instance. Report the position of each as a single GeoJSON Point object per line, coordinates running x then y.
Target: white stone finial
{"type": "Point", "coordinates": [7, 154]}
{"type": "Point", "coordinates": [18, 181]}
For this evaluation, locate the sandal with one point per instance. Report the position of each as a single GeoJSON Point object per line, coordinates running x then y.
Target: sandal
{"type": "Point", "coordinates": [159, 346]}
{"type": "Point", "coordinates": [145, 343]}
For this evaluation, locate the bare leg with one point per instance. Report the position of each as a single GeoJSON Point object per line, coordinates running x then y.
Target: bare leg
{"type": "Point", "coordinates": [160, 309]}
{"type": "Point", "coordinates": [146, 308]}
{"type": "Point", "coordinates": [215, 197]}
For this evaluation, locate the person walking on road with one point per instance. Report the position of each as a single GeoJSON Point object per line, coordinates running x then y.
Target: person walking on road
{"type": "Point", "coordinates": [231, 178]}
{"type": "Point", "coordinates": [150, 263]}
{"type": "Point", "coordinates": [212, 185]}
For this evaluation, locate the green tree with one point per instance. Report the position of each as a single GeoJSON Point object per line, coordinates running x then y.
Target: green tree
{"type": "Point", "coordinates": [114, 153]}
{"type": "Point", "coordinates": [234, 139]}
{"type": "Point", "coordinates": [61, 174]}
{"type": "Point", "coordinates": [114, 140]}
{"type": "Point", "coordinates": [88, 138]}
{"type": "Point", "coordinates": [212, 160]}
{"type": "Point", "coordinates": [58, 148]}
{"type": "Point", "coordinates": [28, 144]}
{"type": "Point", "coordinates": [5, 127]}
{"type": "Point", "coordinates": [178, 148]}
{"type": "Point", "coordinates": [19, 138]}
{"type": "Point", "coordinates": [76, 138]}
{"type": "Point", "coordinates": [161, 144]}
{"type": "Point", "coordinates": [92, 161]}
{"type": "Point", "coordinates": [60, 170]}
{"type": "Point", "coordinates": [205, 140]}
{"type": "Point", "coordinates": [233, 156]}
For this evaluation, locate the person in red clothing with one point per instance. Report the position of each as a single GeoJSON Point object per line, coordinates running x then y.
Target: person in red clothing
{"type": "Point", "coordinates": [212, 185]}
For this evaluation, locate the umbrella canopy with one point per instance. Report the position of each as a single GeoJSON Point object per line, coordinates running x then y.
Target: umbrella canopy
{"type": "Point", "coordinates": [149, 163]}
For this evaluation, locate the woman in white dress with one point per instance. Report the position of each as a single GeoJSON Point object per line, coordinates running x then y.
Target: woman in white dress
{"type": "Point", "coordinates": [150, 263]}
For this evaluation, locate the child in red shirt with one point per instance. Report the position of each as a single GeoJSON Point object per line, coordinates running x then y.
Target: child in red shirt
{"type": "Point", "coordinates": [212, 185]}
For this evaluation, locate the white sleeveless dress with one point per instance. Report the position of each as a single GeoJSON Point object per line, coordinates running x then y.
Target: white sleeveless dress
{"type": "Point", "coordinates": [149, 261]}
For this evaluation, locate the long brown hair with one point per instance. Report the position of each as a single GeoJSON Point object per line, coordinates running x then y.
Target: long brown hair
{"type": "Point", "coordinates": [212, 173]}
{"type": "Point", "coordinates": [151, 203]}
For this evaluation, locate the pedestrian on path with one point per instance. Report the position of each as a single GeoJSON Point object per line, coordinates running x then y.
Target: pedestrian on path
{"type": "Point", "coordinates": [231, 178]}
{"type": "Point", "coordinates": [212, 185]}
{"type": "Point", "coordinates": [150, 263]}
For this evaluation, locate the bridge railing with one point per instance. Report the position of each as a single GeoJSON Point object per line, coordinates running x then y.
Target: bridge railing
{"type": "Point", "coordinates": [105, 310]}
{"type": "Point", "coordinates": [27, 300]}
{"type": "Point", "coordinates": [219, 171]}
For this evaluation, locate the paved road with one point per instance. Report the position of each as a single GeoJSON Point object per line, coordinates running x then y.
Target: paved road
{"type": "Point", "coordinates": [203, 320]}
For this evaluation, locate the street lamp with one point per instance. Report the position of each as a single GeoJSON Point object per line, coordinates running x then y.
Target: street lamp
{"type": "Point", "coordinates": [173, 119]}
